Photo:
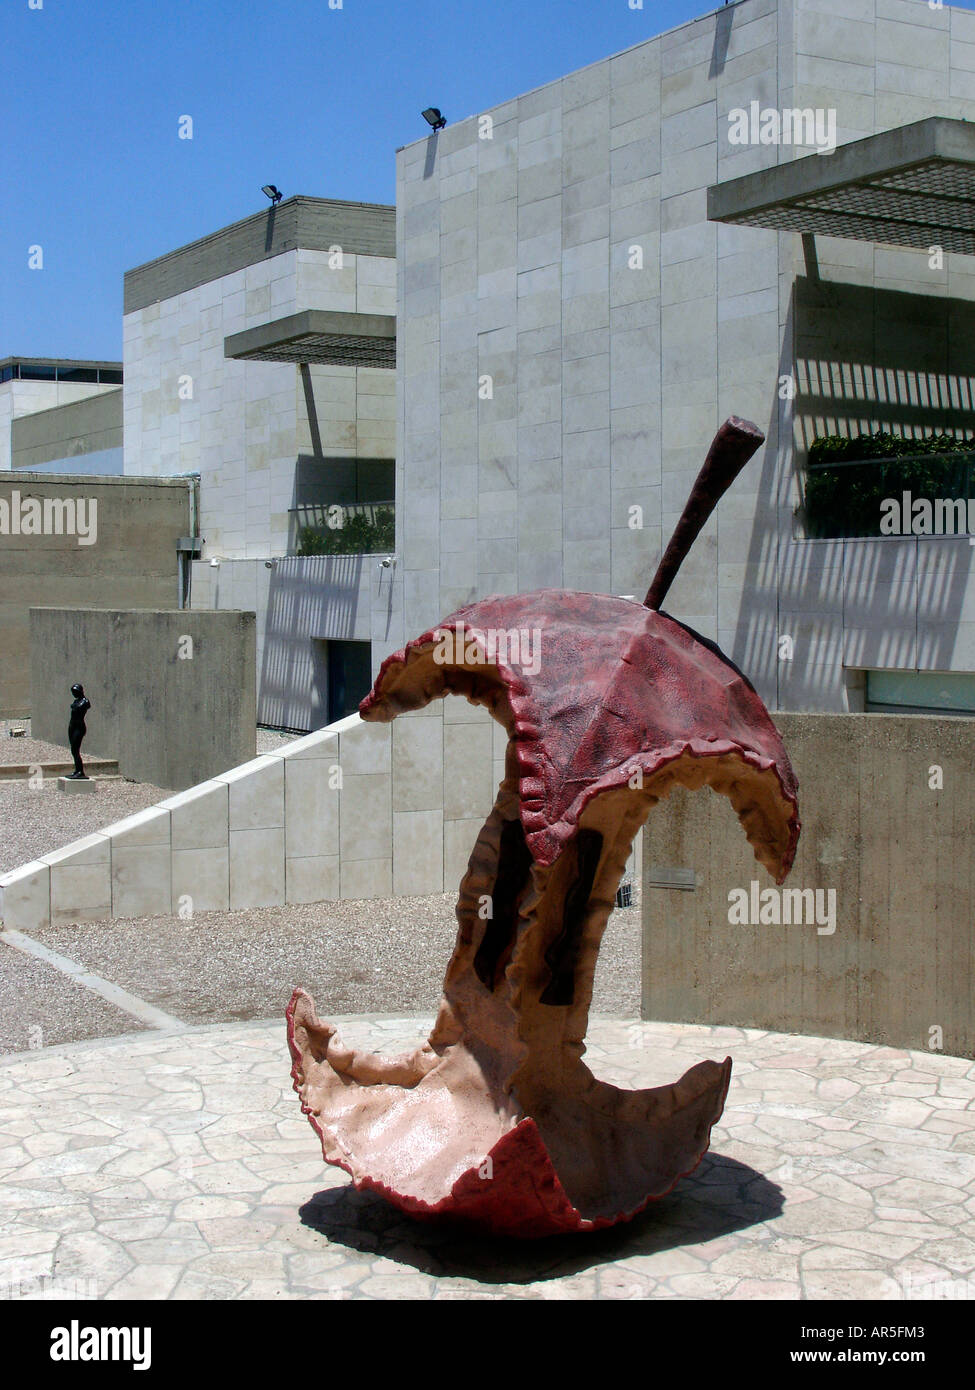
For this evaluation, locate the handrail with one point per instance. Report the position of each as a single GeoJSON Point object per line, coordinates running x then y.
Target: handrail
{"type": "Point", "coordinates": [933, 456]}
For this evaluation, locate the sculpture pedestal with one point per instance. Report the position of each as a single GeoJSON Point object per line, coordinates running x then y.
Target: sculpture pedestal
{"type": "Point", "coordinates": [77, 784]}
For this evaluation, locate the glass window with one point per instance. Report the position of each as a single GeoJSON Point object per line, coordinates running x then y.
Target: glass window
{"type": "Point", "coordinates": [77, 373]}
{"type": "Point", "coordinates": [951, 691]}
{"type": "Point", "coordinates": [110, 374]}
{"type": "Point", "coordinates": [37, 371]}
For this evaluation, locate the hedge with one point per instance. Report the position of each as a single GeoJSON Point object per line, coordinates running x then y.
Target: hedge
{"type": "Point", "coordinates": [359, 536]}
{"type": "Point", "coordinates": [845, 501]}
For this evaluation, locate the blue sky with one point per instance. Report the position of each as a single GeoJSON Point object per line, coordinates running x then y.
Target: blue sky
{"type": "Point", "coordinates": [290, 92]}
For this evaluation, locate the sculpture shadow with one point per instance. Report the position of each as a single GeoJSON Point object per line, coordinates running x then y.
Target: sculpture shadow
{"type": "Point", "coordinates": [721, 1196]}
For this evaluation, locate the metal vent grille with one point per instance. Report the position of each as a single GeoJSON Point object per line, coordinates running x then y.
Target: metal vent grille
{"type": "Point", "coordinates": [322, 336]}
{"type": "Point", "coordinates": [329, 349]}
{"type": "Point", "coordinates": [914, 186]}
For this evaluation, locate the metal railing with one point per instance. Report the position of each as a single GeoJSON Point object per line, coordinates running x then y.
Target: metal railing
{"type": "Point", "coordinates": [343, 528]}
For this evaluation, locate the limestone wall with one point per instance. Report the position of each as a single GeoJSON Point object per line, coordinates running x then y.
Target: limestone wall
{"type": "Point", "coordinates": [354, 810]}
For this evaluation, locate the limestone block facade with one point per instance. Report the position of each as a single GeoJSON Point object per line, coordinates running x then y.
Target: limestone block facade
{"type": "Point", "coordinates": [560, 253]}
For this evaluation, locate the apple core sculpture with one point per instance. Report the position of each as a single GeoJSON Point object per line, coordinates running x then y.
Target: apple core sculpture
{"type": "Point", "coordinates": [496, 1121]}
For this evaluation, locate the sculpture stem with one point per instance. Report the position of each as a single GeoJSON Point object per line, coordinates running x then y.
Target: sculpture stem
{"type": "Point", "coordinates": [732, 447]}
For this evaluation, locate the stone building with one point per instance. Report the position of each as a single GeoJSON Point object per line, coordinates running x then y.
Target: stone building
{"type": "Point", "coordinates": [624, 271]}
{"type": "Point", "coordinates": [60, 414]}
{"type": "Point", "coordinates": [766, 211]}
{"type": "Point", "coordinates": [263, 358]}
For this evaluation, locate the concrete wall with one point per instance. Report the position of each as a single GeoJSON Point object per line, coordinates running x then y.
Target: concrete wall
{"type": "Point", "coordinates": [75, 431]}
{"type": "Point", "coordinates": [237, 427]}
{"type": "Point", "coordinates": [570, 258]}
{"type": "Point", "coordinates": [519, 258]}
{"type": "Point", "coordinates": [895, 849]}
{"type": "Point", "coordinates": [172, 692]}
{"type": "Point", "coordinates": [354, 810]}
{"type": "Point", "coordinates": [132, 562]}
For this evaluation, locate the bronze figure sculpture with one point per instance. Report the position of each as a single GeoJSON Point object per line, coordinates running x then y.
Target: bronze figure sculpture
{"type": "Point", "coordinates": [77, 728]}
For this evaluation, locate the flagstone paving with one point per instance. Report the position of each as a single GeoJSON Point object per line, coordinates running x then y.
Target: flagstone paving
{"type": "Point", "coordinates": [178, 1165]}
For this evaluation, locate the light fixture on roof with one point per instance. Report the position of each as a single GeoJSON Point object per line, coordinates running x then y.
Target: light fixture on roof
{"type": "Point", "coordinates": [271, 192]}
{"type": "Point", "coordinates": [434, 117]}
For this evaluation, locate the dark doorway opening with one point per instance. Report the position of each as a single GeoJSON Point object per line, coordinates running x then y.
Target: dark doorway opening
{"type": "Point", "coordinates": [349, 676]}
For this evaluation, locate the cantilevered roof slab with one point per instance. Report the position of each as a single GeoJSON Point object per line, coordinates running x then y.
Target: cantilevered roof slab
{"type": "Point", "coordinates": [319, 335]}
{"type": "Point", "coordinates": [912, 186]}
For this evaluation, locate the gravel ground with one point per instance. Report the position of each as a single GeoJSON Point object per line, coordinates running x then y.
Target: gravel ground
{"type": "Point", "coordinates": [269, 739]}
{"type": "Point", "coordinates": [27, 749]}
{"type": "Point", "coordinates": [40, 1007]}
{"type": "Point", "coordinates": [37, 820]}
{"type": "Point", "coordinates": [34, 750]}
{"type": "Point", "coordinates": [377, 956]}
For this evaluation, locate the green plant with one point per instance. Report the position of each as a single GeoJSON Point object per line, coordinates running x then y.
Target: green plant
{"type": "Point", "coordinates": [845, 500]}
{"type": "Point", "coordinates": [359, 535]}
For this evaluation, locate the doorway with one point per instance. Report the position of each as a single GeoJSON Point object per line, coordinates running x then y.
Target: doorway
{"type": "Point", "coordinates": [349, 676]}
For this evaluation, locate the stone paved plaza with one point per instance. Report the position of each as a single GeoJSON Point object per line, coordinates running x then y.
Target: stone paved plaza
{"type": "Point", "coordinates": [178, 1165]}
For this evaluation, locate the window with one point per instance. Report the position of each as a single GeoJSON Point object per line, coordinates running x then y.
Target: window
{"type": "Point", "coordinates": [77, 373]}
{"type": "Point", "coordinates": [921, 692]}
{"type": "Point", "coordinates": [343, 506]}
{"type": "Point", "coordinates": [51, 371]}
{"type": "Point", "coordinates": [860, 486]}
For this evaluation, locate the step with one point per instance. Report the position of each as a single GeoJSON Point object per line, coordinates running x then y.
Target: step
{"type": "Point", "coordinates": [95, 767]}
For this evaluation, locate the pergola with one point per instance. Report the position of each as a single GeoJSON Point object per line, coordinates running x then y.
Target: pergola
{"type": "Point", "coordinates": [320, 336]}
{"type": "Point", "coordinates": [912, 186]}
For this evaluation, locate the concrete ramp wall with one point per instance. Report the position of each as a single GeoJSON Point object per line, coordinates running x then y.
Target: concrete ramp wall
{"type": "Point", "coordinates": [354, 810]}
